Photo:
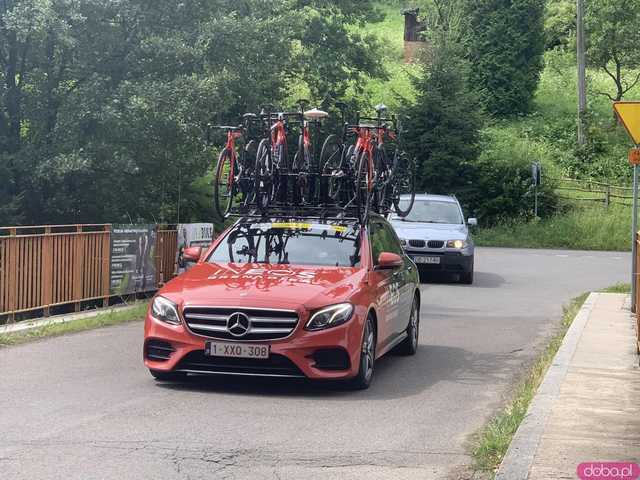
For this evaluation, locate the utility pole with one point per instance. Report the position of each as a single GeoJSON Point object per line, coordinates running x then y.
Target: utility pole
{"type": "Point", "coordinates": [582, 84]}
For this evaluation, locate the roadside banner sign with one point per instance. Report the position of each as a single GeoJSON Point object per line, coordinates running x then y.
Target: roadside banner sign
{"type": "Point", "coordinates": [133, 266]}
{"type": "Point", "coordinates": [629, 115]}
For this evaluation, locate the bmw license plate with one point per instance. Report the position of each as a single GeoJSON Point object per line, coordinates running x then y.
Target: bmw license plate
{"type": "Point", "coordinates": [236, 350]}
{"type": "Point", "coordinates": [430, 260]}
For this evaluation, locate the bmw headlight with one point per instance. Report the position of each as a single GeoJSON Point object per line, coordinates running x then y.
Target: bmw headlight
{"type": "Point", "coordinates": [330, 316]}
{"type": "Point", "coordinates": [165, 310]}
{"type": "Point", "coordinates": [457, 244]}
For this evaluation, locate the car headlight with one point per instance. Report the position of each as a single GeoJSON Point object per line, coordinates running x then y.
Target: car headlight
{"type": "Point", "coordinates": [330, 316]}
{"type": "Point", "coordinates": [403, 242]}
{"type": "Point", "coordinates": [165, 310]}
{"type": "Point", "coordinates": [457, 244]}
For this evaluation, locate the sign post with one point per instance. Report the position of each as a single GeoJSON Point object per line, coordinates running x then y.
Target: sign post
{"type": "Point", "coordinates": [629, 115]}
{"type": "Point", "coordinates": [536, 174]}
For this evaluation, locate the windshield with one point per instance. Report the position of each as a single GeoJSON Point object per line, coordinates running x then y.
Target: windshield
{"type": "Point", "coordinates": [290, 243]}
{"type": "Point", "coordinates": [432, 211]}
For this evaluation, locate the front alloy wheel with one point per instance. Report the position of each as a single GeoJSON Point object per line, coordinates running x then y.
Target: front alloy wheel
{"type": "Point", "coordinates": [367, 357]}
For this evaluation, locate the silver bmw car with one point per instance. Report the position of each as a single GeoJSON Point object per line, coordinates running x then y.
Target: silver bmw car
{"type": "Point", "coordinates": [436, 236]}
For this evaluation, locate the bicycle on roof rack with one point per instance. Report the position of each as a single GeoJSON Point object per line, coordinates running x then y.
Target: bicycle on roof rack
{"type": "Point", "coordinates": [234, 173]}
{"type": "Point", "coordinates": [349, 179]}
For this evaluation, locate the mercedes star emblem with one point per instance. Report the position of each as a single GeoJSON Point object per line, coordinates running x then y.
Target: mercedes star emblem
{"type": "Point", "coordinates": [238, 324]}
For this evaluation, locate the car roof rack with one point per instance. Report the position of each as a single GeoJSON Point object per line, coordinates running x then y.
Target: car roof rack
{"type": "Point", "coordinates": [317, 213]}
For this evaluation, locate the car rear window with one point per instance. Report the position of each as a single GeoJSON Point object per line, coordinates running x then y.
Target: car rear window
{"type": "Point", "coordinates": [294, 243]}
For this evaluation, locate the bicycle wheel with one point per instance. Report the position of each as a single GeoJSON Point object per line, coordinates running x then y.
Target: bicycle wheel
{"type": "Point", "coordinates": [263, 175]}
{"type": "Point", "coordinates": [403, 184]}
{"type": "Point", "coordinates": [363, 185]}
{"type": "Point", "coordinates": [330, 166]}
{"type": "Point", "coordinates": [279, 169]}
{"type": "Point", "coordinates": [224, 186]}
{"type": "Point", "coordinates": [382, 200]}
{"type": "Point", "coordinates": [245, 176]}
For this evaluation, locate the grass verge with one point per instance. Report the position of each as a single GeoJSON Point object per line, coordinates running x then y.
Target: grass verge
{"type": "Point", "coordinates": [493, 440]}
{"type": "Point", "coordinates": [579, 229]}
{"type": "Point", "coordinates": [51, 330]}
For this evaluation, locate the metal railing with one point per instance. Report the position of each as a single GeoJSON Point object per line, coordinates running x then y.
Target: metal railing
{"type": "Point", "coordinates": [47, 266]}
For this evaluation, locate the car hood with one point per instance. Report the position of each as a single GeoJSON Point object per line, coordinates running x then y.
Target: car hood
{"type": "Point", "coordinates": [263, 285]}
{"type": "Point", "coordinates": [430, 231]}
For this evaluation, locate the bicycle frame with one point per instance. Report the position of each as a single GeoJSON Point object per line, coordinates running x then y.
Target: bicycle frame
{"type": "Point", "coordinates": [231, 146]}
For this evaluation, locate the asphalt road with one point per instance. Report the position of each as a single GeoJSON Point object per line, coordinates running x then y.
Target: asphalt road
{"type": "Point", "coordinates": [84, 407]}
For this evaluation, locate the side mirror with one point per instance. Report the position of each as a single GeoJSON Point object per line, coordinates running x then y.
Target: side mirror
{"type": "Point", "coordinates": [388, 260]}
{"type": "Point", "coordinates": [472, 222]}
{"type": "Point", "coordinates": [192, 254]}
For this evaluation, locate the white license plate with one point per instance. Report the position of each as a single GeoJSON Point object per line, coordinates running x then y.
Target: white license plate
{"type": "Point", "coordinates": [236, 350]}
{"type": "Point", "coordinates": [432, 260]}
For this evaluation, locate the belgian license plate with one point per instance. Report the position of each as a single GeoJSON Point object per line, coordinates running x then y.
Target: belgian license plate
{"type": "Point", "coordinates": [431, 260]}
{"type": "Point", "coordinates": [236, 350]}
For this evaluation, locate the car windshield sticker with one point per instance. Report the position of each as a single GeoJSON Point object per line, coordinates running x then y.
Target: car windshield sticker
{"type": "Point", "coordinates": [300, 226]}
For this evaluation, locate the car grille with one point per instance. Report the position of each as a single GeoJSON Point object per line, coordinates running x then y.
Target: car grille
{"type": "Point", "coordinates": [211, 322]}
{"type": "Point", "coordinates": [417, 243]}
{"type": "Point", "coordinates": [275, 366]}
{"type": "Point", "coordinates": [435, 244]}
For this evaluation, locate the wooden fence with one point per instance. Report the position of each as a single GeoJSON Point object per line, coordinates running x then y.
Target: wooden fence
{"type": "Point", "coordinates": [591, 191]}
{"type": "Point", "coordinates": [54, 265]}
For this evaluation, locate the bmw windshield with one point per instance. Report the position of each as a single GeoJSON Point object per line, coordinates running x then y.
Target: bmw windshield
{"type": "Point", "coordinates": [433, 211]}
{"type": "Point", "coordinates": [290, 243]}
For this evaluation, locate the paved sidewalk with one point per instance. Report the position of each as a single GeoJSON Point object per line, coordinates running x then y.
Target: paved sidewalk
{"type": "Point", "coordinates": [588, 406]}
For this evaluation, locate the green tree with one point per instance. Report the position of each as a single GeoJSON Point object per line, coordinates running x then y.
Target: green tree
{"type": "Point", "coordinates": [103, 105]}
{"type": "Point", "coordinates": [612, 42]}
{"type": "Point", "coordinates": [506, 44]}
{"type": "Point", "coordinates": [443, 124]}
{"type": "Point", "coordinates": [559, 23]}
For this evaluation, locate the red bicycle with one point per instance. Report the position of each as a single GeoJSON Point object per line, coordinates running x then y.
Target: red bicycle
{"type": "Point", "coordinates": [232, 171]}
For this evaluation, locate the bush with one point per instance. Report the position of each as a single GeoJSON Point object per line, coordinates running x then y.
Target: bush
{"type": "Point", "coordinates": [503, 185]}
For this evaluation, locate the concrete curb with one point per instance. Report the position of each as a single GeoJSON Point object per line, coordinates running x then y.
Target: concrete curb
{"type": "Point", "coordinates": [43, 322]}
{"type": "Point", "coordinates": [519, 458]}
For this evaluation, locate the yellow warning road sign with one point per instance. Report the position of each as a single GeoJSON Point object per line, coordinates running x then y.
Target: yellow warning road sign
{"type": "Point", "coordinates": [629, 115]}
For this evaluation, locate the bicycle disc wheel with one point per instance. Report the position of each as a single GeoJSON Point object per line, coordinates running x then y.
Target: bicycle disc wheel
{"type": "Point", "coordinates": [246, 177]}
{"type": "Point", "coordinates": [330, 166]}
{"type": "Point", "coordinates": [363, 185]}
{"type": "Point", "coordinates": [263, 174]}
{"type": "Point", "coordinates": [403, 184]}
{"type": "Point", "coordinates": [224, 186]}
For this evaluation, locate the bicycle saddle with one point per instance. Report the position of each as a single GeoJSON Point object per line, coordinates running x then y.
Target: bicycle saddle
{"type": "Point", "coordinates": [315, 114]}
{"type": "Point", "coordinates": [380, 108]}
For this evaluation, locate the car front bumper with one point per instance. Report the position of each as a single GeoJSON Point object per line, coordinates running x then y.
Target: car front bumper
{"type": "Point", "coordinates": [303, 354]}
{"type": "Point", "coordinates": [449, 262]}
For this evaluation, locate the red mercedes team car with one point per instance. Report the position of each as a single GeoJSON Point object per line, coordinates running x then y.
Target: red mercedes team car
{"type": "Point", "coordinates": [294, 298]}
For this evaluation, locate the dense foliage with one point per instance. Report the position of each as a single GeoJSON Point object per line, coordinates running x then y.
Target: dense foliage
{"type": "Point", "coordinates": [613, 42]}
{"type": "Point", "coordinates": [506, 44]}
{"type": "Point", "coordinates": [103, 104]}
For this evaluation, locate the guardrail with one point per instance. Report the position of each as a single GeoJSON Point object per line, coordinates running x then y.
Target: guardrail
{"type": "Point", "coordinates": [592, 191]}
{"type": "Point", "coordinates": [53, 265]}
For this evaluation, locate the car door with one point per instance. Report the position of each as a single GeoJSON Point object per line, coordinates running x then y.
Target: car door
{"type": "Point", "coordinates": [401, 279]}
{"type": "Point", "coordinates": [385, 283]}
